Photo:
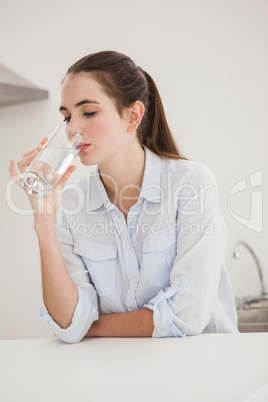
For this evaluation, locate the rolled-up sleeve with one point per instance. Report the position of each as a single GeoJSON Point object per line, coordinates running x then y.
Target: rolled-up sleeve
{"type": "Point", "coordinates": [86, 311]}
{"type": "Point", "coordinates": [187, 305]}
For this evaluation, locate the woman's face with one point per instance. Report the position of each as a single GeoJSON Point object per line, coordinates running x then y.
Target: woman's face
{"type": "Point", "coordinates": [88, 110]}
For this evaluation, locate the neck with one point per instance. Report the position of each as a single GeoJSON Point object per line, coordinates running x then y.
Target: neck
{"type": "Point", "coordinates": [122, 178]}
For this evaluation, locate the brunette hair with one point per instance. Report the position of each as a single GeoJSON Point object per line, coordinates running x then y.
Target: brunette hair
{"type": "Point", "coordinates": [125, 83]}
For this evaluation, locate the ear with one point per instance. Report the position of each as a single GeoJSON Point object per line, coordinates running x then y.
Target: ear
{"type": "Point", "coordinates": [135, 114]}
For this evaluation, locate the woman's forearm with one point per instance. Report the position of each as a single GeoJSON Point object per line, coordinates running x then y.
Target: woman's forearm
{"type": "Point", "coordinates": [133, 324]}
{"type": "Point", "coordinates": [59, 291]}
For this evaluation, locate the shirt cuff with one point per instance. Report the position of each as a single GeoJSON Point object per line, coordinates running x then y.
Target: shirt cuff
{"type": "Point", "coordinates": [163, 313]}
{"type": "Point", "coordinates": [84, 315]}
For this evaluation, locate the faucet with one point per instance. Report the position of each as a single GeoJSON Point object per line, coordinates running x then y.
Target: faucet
{"type": "Point", "coordinates": [236, 255]}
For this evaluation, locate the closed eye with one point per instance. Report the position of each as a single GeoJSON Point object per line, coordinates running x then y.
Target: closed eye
{"type": "Point", "coordinates": [86, 114]}
{"type": "Point", "coordinates": [89, 114]}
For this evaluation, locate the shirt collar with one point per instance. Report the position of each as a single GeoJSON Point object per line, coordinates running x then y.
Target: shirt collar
{"type": "Point", "coordinates": [98, 195]}
{"type": "Point", "coordinates": [150, 190]}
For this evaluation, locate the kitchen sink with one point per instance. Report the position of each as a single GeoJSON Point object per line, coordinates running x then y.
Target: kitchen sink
{"type": "Point", "coordinates": [252, 312]}
{"type": "Point", "coordinates": [253, 317]}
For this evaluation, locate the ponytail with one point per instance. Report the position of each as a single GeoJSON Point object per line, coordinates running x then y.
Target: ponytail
{"type": "Point", "coordinates": [155, 132]}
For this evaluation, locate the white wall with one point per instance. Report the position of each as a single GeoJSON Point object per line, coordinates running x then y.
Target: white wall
{"type": "Point", "coordinates": [210, 61]}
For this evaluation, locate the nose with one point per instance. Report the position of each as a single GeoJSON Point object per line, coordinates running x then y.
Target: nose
{"type": "Point", "coordinates": [73, 135]}
{"type": "Point", "coordinates": [76, 125]}
{"type": "Point", "coordinates": [75, 130]}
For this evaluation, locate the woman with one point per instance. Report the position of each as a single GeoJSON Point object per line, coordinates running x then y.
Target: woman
{"type": "Point", "coordinates": [143, 255]}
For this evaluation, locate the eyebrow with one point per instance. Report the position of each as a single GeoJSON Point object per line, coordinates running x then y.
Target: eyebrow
{"type": "Point", "coordinates": [83, 102]}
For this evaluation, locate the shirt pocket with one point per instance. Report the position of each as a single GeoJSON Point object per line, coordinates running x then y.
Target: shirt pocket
{"type": "Point", "coordinates": [101, 262]}
{"type": "Point", "coordinates": [159, 252]}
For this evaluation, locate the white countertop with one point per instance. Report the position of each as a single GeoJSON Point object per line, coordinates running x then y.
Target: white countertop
{"type": "Point", "coordinates": [216, 367]}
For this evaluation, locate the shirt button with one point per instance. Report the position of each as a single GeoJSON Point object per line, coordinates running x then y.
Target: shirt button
{"type": "Point", "coordinates": [134, 280]}
{"type": "Point", "coordinates": [179, 282]}
{"type": "Point", "coordinates": [129, 247]}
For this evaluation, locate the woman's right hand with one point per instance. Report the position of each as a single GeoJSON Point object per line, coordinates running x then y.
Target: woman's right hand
{"type": "Point", "coordinates": [43, 208]}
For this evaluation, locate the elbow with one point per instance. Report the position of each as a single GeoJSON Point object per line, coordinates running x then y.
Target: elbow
{"type": "Point", "coordinates": [194, 329]}
{"type": "Point", "coordinates": [67, 335]}
{"type": "Point", "coordinates": [70, 340]}
{"type": "Point", "coordinates": [191, 325]}
{"type": "Point", "coordinates": [83, 317]}
{"type": "Point", "coordinates": [72, 334]}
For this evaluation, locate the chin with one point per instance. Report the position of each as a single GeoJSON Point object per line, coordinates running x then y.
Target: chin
{"type": "Point", "coordinates": [86, 160]}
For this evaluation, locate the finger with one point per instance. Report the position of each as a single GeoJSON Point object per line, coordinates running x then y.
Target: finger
{"type": "Point", "coordinates": [32, 150]}
{"type": "Point", "coordinates": [14, 175]}
{"type": "Point", "coordinates": [25, 162]}
{"type": "Point", "coordinates": [66, 176]}
{"type": "Point", "coordinates": [38, 148]}
{"type": "Point", "coordinates": [44, 140]}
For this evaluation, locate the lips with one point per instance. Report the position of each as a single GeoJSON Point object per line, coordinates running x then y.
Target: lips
{"type": "Point", "coordinates": [81, 146]}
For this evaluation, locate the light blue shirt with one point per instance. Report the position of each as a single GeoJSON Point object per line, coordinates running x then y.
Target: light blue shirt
{"type": "Point", "coordinates": [169, 256]}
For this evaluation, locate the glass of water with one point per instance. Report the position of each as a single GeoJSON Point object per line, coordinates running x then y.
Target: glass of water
{"type": "Point", "coordinates": [57, 155]}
